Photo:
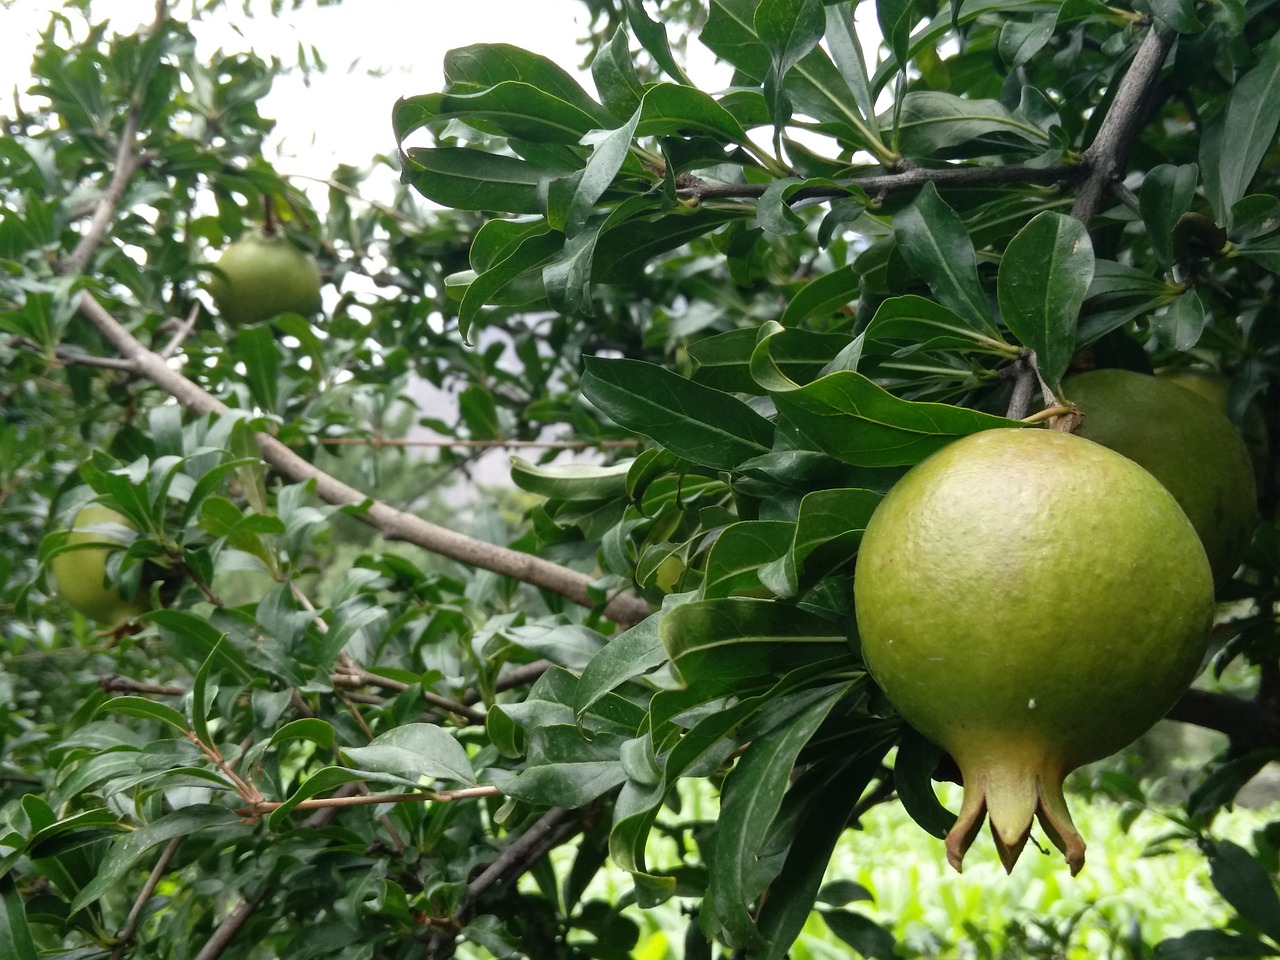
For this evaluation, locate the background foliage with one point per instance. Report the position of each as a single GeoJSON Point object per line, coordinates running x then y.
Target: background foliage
{"type": "Point", "coordinates": [347, 731]}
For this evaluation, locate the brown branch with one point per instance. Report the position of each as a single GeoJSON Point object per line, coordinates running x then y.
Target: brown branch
{"type": "Point", "coordinates": [354, 675]}
{"type": "Point", "coordinates": [378, 442]}
{"type": "Point", "coordinates": [624, 608]}
{"type": "Point", "coordinates": [1106, 158]}
{"type": "Point", "coordinates": [953, 176]}
{"type": "Point", "coordinates": [367, 799]}
{"type": "Point", "coordinates": [517, 856]}
{"type": "Point", "coordinates": [124, 939]}
{"type": "Point", "coordinates": [230, 926]}
{"type": "Point", "coordinates": [1247, 723]}
{"type": "Point", "coordinates": [516, 677]}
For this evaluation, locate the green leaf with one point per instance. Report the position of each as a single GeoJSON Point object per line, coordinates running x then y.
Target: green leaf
{"type": "Point", "coordinates": [735, 559]}
{"type": "Point", "coordinates": [621, 255]}
{"type": "Point", "coordinates": [1245, 885]}
{"type": "Point", "coordinates": [531, 254]}
{"type": "Point", "coordinates": [630, 654]}
{"type": "Point", "coordinates": [933, 240]}
{"type": "Point", "coordinates": [147, 709]}
{"type": "Point", "coordinates": [726, 640]}
{"type": "Point", "coordinates": [572, 481]}
{"type": "Point", "coordinates": [822, 296]}
{"type": "Point", "coordinates": [311, 729]}
{"type": "Point", "coordinates": [469, 179]}
{"type": "Point", "coordinates": [867, 937]}
{"type": "Point", "coordinates": [790, 29]}
{"type": "Point", "coordinates": [670, 109]}
{"type": "Point", "coordinates": [846, 52]}
{"type": "Point", "coordinates": [692, 421]}
{"type": "Point", "coordinates": [128, 850]}
{"type": "Point", "coordinates": [824, 810]}
{"type": "Point", "coordinates": [415, 751]}
{"type": "Point", "coordinates": [615, 76]}
{"type": "Point", "coordinates": [828, 529]}
{"type": "Point", "coordinates": [896, 18]}
{"type": "Point", "coordinates": [484, 65]}
{"type": "Point", "coordinates": [852, 419]}
{"type": "Point", "coordinates": [322, 781]}
{"type": "Point", "coordinates": [1266, 253]}
{"type": "Point", "coordinates": [1231, 153]}
{"type": "Point", "coordinates": [1178, 14]}
{"type": "Point", "coordinates": [510, 109]}
{"type": "Point", "coordinates": [1044, 276]}
{"type": "Point", "coordinates": [569, 770]}
{"type": "Point", "coordinates": [752, 797]}
{"type": "Point", "coordinates": [913, 771]}
{"type": "Point", "coordinates": [1166, 194]}
{"type": "Point", "coordinates": [653, 37]}
{"type": "Point", "coordinates": [934, 122]}
{"type": "Point", "coordinates": [15, 936]}
{"type": "Point", "coordinates": [925, 325]}
{"type": "Point", "coordinates": [724, 360]}
{"type": "Point", "coordinates": [1211, 945]}
{"type": "Point", "coordinates": [1181, 323]}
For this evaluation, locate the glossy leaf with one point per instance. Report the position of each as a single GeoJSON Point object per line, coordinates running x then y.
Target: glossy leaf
{"type": "Point", "coordinates": [414, 751]}
{"type": "Point", "coordinates": [692, 421]}
{"type": "Point", "coordinates": [790, 29]}
{"type": "Point", "coordinates": [631, 654]}
{"type": "Point", "coordinates": [752, 797]}
{"type": "Point", "coordinates": [1044, 276]}
{"type": "Point", "coordinates": [1233, 149]}
{"type": "Point", "coordinates": [933, 240]}
{"type": "Point", "coordinates": [484, 65]}
{"type": "Point", "coordinates": [724, 360]}
{"type": "Point", "coordinates": [653, 37]}
{"type": "Point", "coordinates": [913, 770]}
{"type": "Point", "coordinates": [935, 122]}
{"type": "Point", "coordinates": [571, 481]}
{"type": "Point", "coordinates": [1182, 322]}
{"type": "Point", "coordinates": [15, 936]}
{"type": "Point", "coordinates": [741, 549]}
{"type": "Point", "coordinates": [1166, 194]}
{"type": "Point", "coordinates": [925, 325]}
{"type": "Point", "coordinates": [1245, 884]}
{"type": "Point", "coordinates": [615, 75]}
{"type": "Point", "coordinates": [828, 529]}
{"type": "Point", "coordinates": [476, 180]}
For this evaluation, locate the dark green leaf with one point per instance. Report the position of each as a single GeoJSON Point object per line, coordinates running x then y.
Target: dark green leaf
{"type": "Point", "coordinates": [934, 242]}
{"type": "Point", "coordinates": [468, 179]}
{"type": "Point", "coordinates": [415, 751]}
{"type": "Point", "coordinates": [630, 654]}
{"type": "Point", "coordinates": [724, 360]}
{"type": "Point", "coordinates": [934, 121]}
{"type": "Point", "coordinates": [925, 325]}
{"type": "Point", "coordinates": [1211, 945]}
{"type": "Point", "coordinates": [692, 421]}
{"type": "Point", "coordinates": [735, 559]}
{"type": "Point", "coordinates": [1179, 14]}
{"type": "Point", "coordinates": [1166, 194]}
{"type": "Point", "coordinates": [828, 530]}
{"type": "Point", "coordinates": [1181, 323]}
{"type": "Point", "coordinates": [1245, 885]}
{"type": "Point", "coordinates": [531, 254]}
{"type": "Point", "coordinates": [15, 937]}
{"type": "Point", "coordinates": [752, 796]}
{"type": "Point", "coordinates": [488, 64]}
{"type": "Point", "coordinates": [1044, 276]}
{"type": "Point", "coordinates": [615, 76]}
{"type": "Point", "coordinates": [1245, 132]}
{"type": "Point", "coordinates": [913, 771]}
{"type": "Point", "coordinates": [571, 481]}
{"type": "Point", "coordinates": [129, 849]}
{"type": "Point", "coordinates": [653, 37]}
{"type": "Point", "coordinates": [865, 936]}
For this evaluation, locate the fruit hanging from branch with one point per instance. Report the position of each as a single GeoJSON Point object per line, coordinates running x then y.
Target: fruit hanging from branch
{"type": "Point", "coordinates": [262, 276]}
{"type": "Point", "coordinates": [1030, 601]}
{"type": "Point", "coordinates": [1187, 443]}
{"type": "Point", "coordinates": [80, 575]}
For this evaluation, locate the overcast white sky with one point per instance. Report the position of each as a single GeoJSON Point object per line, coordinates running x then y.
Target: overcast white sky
{"type": "Point", "coordinates": [376, 51]}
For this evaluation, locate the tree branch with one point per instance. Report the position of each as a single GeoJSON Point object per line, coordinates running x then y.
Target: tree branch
{"type": "Point", "coordinates": [953, 176]}
{"type": "Point", "coordinates": [230, 926]}
{"type": "Point", "coordinates": [1106, 158]}
{"type": "Point", "coordinates": [624, 608]}
{"type": "Point", "coordinates": [1247, 723]}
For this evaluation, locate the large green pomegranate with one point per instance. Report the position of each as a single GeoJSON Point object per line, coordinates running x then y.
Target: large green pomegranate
{"type": "Point", "coordinates": [80, 575]}
{"type": "Point", "coordinates": [263, 276]}
{"type": "Point", "coordinates": [1030, 601]}
{"type": "Point", "coordinates": [1187, 443]}
{"type": "Point", "coordinates": [1215, 388]}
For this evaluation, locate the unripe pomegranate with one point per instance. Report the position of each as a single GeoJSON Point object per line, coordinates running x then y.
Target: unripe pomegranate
{"type": "Point", "coordinates": [1030, 601]}
{"type": "Point", "coordinates": [1187, 443]}
{"type": "Point", "coordinates": [80, 575]}
{"type": "Point", "coordinates": [263, 276]}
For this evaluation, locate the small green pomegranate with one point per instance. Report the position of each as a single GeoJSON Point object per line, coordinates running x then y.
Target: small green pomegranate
{"type": "Point", "coordinates": [1030, 601]}
{"type": "Point", "coordinates": [263, 276]}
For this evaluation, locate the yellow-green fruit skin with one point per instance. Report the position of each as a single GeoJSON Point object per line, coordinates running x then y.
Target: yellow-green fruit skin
{"type": "Point", "coordinates": [80, 575]}
{"type": "Point", "coordinates": [1030, 601]}
{"type": "Point", "coordinates": [262, 277]}
{"type": "Point", "coordinates": [1214, 387]}
{"type": "Point", "coordinates": [1187, 443]}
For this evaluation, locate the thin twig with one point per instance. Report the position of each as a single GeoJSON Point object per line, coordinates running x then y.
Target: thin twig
{"type": "Point", "coordinates": [230, 926]}
{"type": "Point", "coordinates": [124, 939]}
{"type": "Point", "coordinates": [377, 442]}
{"type": "Point", "coordinates": [367, 799]}
{"type": "Point", "coordinates": [516, 857]}
{"type": "Point", "coordinates": [883, 184]}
